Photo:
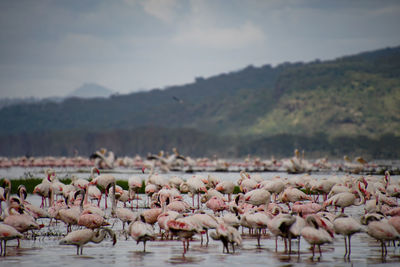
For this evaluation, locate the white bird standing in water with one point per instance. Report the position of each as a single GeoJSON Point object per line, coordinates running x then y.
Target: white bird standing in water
{"type": "Point", "coordinates": [79, 238]}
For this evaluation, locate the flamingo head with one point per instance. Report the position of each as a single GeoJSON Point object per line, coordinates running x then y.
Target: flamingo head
{"type": "Point", "coordinates": [143, 168]}
{"type": "Point", "coordinates": [93, 182]}
{"type": "Point", "coordinates": [365, 182]}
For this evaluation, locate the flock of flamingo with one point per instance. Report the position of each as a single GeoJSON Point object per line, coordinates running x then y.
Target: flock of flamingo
{"type": "Point", "coordinates": [105, 159]}
{"type": "Point", "coordinates": [277, 207]}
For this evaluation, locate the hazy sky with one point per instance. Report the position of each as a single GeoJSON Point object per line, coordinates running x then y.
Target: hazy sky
{"type": "Point", "coordinates": [49, 47]}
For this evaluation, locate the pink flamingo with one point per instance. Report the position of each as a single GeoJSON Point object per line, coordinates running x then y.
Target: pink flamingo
{"type": "Point", "coordinates": [292, 194]}
{"type": "Point", "coordinates": [194, 185]}
{"type": "Point", "coordinates": [7, 232]}
{"type": "Point", "coordinates": [315, 235]}
{"type": "Point", "coordinates": [216, 204]}
{"type": "Point", "coordinates": [141, 232]}
{"type": "Point", "coordinates": [259, 196]}
{"type": "Point", "coordinates": [105, 181]}
{"type": "Point", "coordinates": [135, 184]}
{"type": "Point", "coordinates": [79, 238]}
{"type": "Point", "coordinates": [345, 199]}
{"type": "Point", "coordinates": [184, 229]}
{"type": "Point", "coordinates": [227, 234]}
{"type": "Point", "coordinates": [91, 220]}
{"type": "Point", "coordinates": [226, 187]}
{"type": "Point", "coordinates": [346, 226]}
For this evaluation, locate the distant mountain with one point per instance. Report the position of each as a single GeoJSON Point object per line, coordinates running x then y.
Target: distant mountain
{"type": "Point", "coordinates": [348, 104]}
{"type": "Point", "coordinates": [91, 90]}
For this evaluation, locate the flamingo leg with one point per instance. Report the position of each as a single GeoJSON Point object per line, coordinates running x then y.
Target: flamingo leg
{"type": "Point", "coordinates": [184, 247]}
{"type": "Point", "coordinates": [208, 239]}
{"type": "Point", "coordinates": [285, 241]}
{"type": "Point", "coordinates": [384, 245]}
{"type": "Point", "coordinates": [298, 246]}
{"type": "Point", "coordinates": [348, 256]}
{"type": "Point", "coordinates": [345, 245]}
{"type": "Point", "coordinates": [313, 251]}
{"type": "Point", "coordinates": [5, 247]}
{"type": "Point", "coordinates": [106, 196]}
{"type": "Point", "coordinates": [320, 253]}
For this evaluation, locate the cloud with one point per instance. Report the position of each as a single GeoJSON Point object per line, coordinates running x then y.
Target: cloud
{"type": "Point", "coordinates": [221, 38]}
{"type": "Point", "coordinates": [163, 10]}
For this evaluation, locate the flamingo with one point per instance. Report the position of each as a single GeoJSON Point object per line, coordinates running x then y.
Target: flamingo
{"type": "Point", "coordinates": [94, 193]}
{"type": "Point", "coordinates": [134, 184]}
{"type": "Point", "coordinates": [126, 216]}
{"type": "Point", "coordinates": [232, 219]}
{"type": "Point", "coordinates": [274, 186]}
{"type": "Point", "coordinates": [380, 229]}
{"type": "Point", "coordinates": [22, 222]}
{"type": "Point", "coordinates": [175, 182]}
{"type": "Point", "coordinates": [295, 232]}
{"type": "Point", "coordinates": [183, 228]}
{"type": "Point", "coordinates": [163, 218]}
{"type": "Point", "coordinates": [151, 215]}
{"type": "Point", "coordinates": [79, 238]}
{"type": "Point", "coordinates": [227, 234]}
{"type": "Point", "coordinates": [213, 181]}
{"type": "Point", "coordinates": [280, 226]}
{"type": "Point", "coordinates": [258, 197]}
{"type": "Point", "coordinates": [105, 181]}
{"type": "Point", "coordinates": [7, 232]}
{"type": "Point", "coordinates": [292, 194]}
{"type": "Point", "coordinates": [43, 190]}
{"type": "Point", "coordinates": [4, 191]}
{"type": "Point", "coordinates": [306, 208]}
{"type": "Point", "coordinates": [206, 222]}
{"type": "Point", "coordinates": [179, 206]}
{"type": "Point", "coordinates": [211, 193]}
{"type": "Point", "coordinates": [246, 183]}
{"type": "Point", "coordinates": [102, 161]}
{"type": "Point", "coordinates": [33, 210]}
{"type": "Point", "coordinates": [216, 204]}
{"type": "Point", "coordinates": [315, 235]}
{"type": "Point", "coordinates": [91, 220]}
{"type": "Point", "coordinates": [255, 220]}
{"type": "Point", "coordinates": [141, 231]}
{"type": "Point", "coordinates": [226, 187]}
{"type": "Point", "coordinates": [345, 199]}
{"type": "Point", "coordinates": [194, 185]}
{"type": "Point", "coordinates": [346, 226]}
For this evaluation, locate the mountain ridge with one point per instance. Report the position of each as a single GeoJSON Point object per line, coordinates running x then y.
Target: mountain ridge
{"type": "Point", "coordinates": [351, 96]}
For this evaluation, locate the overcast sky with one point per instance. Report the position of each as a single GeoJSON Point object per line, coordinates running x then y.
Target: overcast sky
{"type": "Point", "coordinates": [49, 48]}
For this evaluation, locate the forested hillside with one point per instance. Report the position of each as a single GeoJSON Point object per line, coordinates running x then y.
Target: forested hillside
{"type": "Point", "coordinates": [312, 104]}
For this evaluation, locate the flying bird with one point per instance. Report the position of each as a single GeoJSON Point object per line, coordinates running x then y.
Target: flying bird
{"type": "Point", "coordinates": [180, 101]}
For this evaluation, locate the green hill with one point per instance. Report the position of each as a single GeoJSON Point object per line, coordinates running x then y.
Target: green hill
{"type": "Point", "coordinates": [354, 96]}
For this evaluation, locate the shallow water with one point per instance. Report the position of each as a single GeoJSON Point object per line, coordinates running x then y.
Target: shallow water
{"type": "Point", "coordinates": [46, 251]}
